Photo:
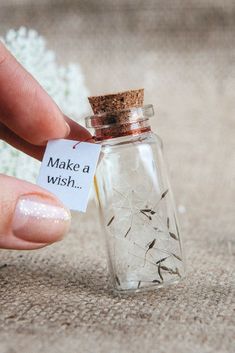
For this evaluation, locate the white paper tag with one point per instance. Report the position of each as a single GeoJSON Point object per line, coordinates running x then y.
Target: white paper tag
{"type": "Point", "coordinates": [68, 169]}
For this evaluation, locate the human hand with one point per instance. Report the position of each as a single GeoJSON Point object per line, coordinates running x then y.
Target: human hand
{"type": "Point", "coordinates": [30, 217]}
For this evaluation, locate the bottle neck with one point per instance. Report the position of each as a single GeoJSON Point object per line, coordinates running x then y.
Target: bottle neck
{"type": "Point", "coordinates": [114, 131]}
{"type": "Point", "coordinates": [113, 124]}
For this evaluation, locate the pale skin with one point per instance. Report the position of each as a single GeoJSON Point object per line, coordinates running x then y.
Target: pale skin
{"type": "Point", "coordinates": [28, 119]}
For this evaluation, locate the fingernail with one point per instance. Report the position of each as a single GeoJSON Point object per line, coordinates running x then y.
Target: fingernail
{"type": "Point", "coordinates": [68, 129]}
{"type": "Point", "coordinates": [40, 219]}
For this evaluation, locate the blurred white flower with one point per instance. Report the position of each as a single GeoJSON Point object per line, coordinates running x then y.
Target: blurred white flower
{"type": "Point", "coordinates": [64, 84]}
{"type": "Point", "coordinates": [181, 209]}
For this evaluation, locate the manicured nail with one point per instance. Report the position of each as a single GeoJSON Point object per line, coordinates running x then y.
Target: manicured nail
{"type": "Point", "coordinates": [68, 129]}
{"type": "Point", "coordinates": [40, 219]}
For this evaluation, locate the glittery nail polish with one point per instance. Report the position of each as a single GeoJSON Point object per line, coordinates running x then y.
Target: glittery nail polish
{"type": "Point", "coordinates": [40, 219]}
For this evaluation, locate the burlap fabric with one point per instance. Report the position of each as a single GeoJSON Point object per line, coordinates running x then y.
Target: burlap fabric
{"type": "Point", "coordinates": [57, 299]}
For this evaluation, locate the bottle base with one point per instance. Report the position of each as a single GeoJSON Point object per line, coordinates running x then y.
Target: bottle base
{"type": "Point", "coordinates": [151, 287]}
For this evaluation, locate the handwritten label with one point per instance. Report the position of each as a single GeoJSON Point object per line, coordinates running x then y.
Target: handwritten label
{"type": "Point", "coordinates": [68, 169]}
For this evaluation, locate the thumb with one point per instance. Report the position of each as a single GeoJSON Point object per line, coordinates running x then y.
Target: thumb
{"type": "Point", "coordinates": [30, 217]}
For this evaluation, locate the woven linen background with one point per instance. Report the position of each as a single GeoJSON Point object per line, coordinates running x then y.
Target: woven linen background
{"type": "Point", "coordinates": [183, 53]}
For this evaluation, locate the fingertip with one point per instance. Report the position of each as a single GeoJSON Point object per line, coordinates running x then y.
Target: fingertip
{"type": "Point", "coordinates": [26, 108]}
{"type": "Point", "coordinates": [30, 214]}
{"type": "Point", "coordinates": [77, 131]}
{"type": "Point", "coordinates": [39, 219]}
{"type": "Point", "coordinates": [68, 130]}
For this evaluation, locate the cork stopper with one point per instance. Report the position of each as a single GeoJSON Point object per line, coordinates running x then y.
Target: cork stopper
{"type": "Point", "coordinates": [117, 101]}
{"type": "Point", "coordinates": [119, 114]}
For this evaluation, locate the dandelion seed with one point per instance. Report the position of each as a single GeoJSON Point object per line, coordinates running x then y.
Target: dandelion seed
{"type": "Point", "coordinates": [117, 280]}
{"type": "Point", "coordinates": [159, 272]}
{"type": "Point", "coordinates": [156, 281]}
{"type": "Point", "coordinates": [160, 261]}
{"type": "Point", "coordinates": [164, 194]}
{"type": "Point", "coordinates": [167, 269]}
{"type": "Point", "coordinates": [127, 232]}
{"type": "Point", "coordinates": [149, 217]}
{"type": "Point", "coordinates": [150, 246]}
{"type": "Point", "coordinates": [177, 257]}
{"type": "Point", "coordinates": [173, 236]}
{"type": "Point", "coordinates": [111, 220]}
{"type": "Point", "coordinates": [168, 222]}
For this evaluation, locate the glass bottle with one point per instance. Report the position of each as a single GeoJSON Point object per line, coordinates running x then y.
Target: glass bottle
{"type": "Point", "coordinates": [135, 202]}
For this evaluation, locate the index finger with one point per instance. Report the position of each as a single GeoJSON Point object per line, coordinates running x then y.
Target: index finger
{"type": "Point", "coordinates": [25, 107]}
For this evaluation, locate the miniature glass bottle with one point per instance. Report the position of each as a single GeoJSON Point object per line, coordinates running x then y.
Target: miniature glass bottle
{"type": "Point", "coordinates": [135, 200]}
